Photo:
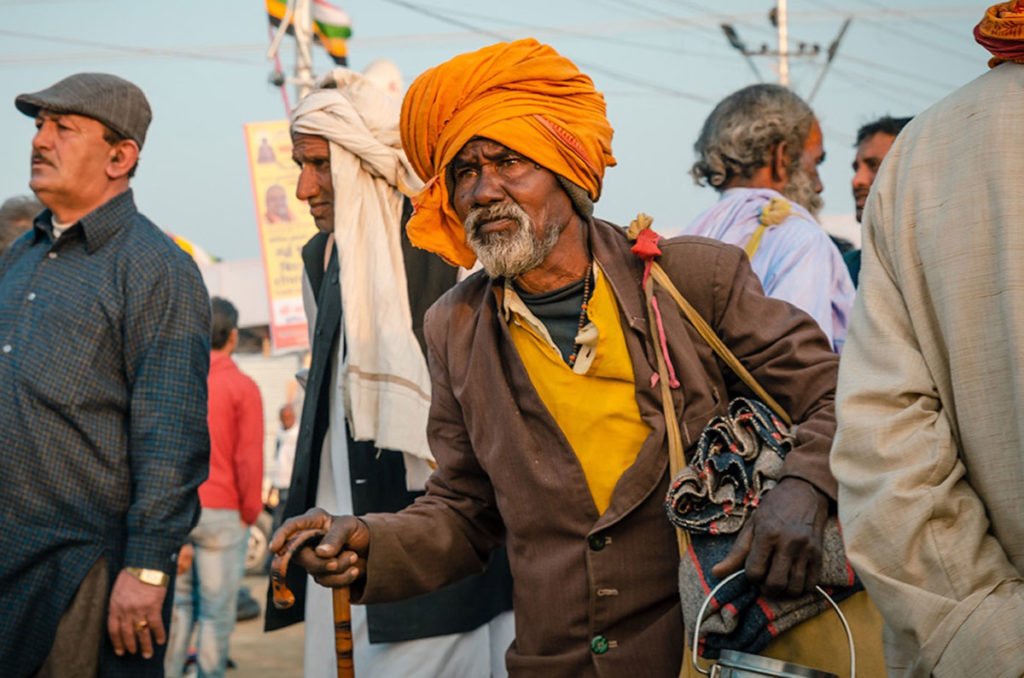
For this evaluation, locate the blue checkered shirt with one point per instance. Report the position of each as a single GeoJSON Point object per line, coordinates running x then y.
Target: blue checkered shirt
{"type": "Point", "coordinates": [104, 350]}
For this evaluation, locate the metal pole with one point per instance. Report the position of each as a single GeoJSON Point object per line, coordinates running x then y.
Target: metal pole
{"type": "Point", "coordinates": [303, 25]}
{"type": "Point", "coordinates": [783, 45]}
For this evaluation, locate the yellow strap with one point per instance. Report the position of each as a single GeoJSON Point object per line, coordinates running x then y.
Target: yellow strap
{"type": "Point", "coordinates": [755, 241]}
{"type": "Point", "coordinates": [775, 212]}
{"type": "Point", "coordinates": [705, 331]}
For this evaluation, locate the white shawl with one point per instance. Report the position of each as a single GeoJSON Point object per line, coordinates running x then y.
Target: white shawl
{"type": "Point", "coordinates": [385, 381]}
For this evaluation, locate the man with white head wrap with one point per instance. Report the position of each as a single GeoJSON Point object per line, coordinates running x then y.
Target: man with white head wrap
{"type": "Point", "coordinates": [370, 381]}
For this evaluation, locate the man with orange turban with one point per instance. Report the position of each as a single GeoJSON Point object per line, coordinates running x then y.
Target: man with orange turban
{"type": "Point", "coordinates": [546, 415]}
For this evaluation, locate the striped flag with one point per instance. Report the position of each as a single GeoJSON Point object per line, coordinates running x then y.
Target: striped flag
{"type": "Point", "coordinates": [332, 26]}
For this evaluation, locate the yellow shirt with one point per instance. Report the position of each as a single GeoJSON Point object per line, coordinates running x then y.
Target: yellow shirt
{"type": "Point", "coordinates": [593, 403]}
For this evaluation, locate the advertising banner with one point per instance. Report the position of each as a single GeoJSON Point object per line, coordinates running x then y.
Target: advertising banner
{"type": "Point", "coordinates": [285, 225]}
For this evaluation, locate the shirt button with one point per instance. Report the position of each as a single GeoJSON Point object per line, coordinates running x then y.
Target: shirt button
{"type": "Point", "coordinates": [7, 348]}
{"type": "Point", "coordinates": [31, 296]}
{"type": "Point", "coordinates": [599, 644]}
{"type": "Point", "coordinates": [596, 542]}
{"type": "Point", "coordinates": [52, 255]}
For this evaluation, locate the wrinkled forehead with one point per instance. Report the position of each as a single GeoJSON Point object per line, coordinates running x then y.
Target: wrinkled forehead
{"type": "Point", "coordinates": [74, 119]}
{"type": "Point", "coordinates": [480, 147]}
{"type": "Point", "coordinates": [309, 146]}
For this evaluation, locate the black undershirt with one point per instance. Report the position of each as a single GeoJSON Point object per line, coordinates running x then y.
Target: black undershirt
{"type": "Point", "coordinates": [559, 311]}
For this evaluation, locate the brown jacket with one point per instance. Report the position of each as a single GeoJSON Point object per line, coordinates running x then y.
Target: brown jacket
{"type": "Point", "coordinates": [595, 595]}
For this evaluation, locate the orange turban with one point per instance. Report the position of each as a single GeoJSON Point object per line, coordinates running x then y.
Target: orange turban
{"type": "Point", "coordinates": [523, 95]}
{"type": "Point", "coordinates": [1001, 32]}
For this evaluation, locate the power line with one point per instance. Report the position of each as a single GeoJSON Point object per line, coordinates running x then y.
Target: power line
{"type": "Point", "coordinates": [945, 49]}
{"type": "Point", "coordinates": [603, 39]}
{"type": "Point", "coordinates": [127, 49]}
{"type": "Point", "coordinates": [890, 69]}
{"type": "Point", "coordinates": [917, 19]}
{"type": "Point", "coordinates": [419, 9]}
{"type": "Point", "coordinates": [596, 68]}
{"type": "Point", "coordinates": [890, 91]}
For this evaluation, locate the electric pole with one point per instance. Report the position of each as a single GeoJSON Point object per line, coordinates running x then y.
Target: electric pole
{"type": "Point", "coordinates": [299, 17]}
{"type": "Point", "coordinates": [303, 48]}
{"type": "Point", "coordinates": [779, 18]}
{"type": "Point", "coordinates": [783, 43]}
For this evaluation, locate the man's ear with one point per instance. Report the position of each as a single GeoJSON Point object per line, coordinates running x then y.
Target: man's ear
{"type": "Point", "coordinates": [123, 157]}
{"type": "Point", "coordinates": [780, 163]}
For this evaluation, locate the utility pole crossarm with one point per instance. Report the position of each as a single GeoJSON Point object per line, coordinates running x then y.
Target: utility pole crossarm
{"type": "Point", "coordinates": [833, 49]}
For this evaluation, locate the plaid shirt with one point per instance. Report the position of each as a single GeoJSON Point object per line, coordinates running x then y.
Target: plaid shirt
{"type": "Point", "coordinates": [104, 351]}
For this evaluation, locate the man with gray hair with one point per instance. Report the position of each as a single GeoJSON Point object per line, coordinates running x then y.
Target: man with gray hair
{"type": "Point", "coordinates": [104, 350]}
{"type": "Point", "coordinates": [16, 216]}
{"type": "Point", "coordinates": [760, 149]}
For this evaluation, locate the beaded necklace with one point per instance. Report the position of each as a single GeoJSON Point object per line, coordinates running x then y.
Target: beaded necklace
{"type": "Point", "coordinates": [583, 312]}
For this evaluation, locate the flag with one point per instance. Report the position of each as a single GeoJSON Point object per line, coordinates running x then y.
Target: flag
{"type": "Point", "coordinates": [332, 25]}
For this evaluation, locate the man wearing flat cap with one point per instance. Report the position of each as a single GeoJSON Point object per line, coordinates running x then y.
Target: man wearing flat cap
{"type": "Point", "coordinates": [546, 416]}
{"type": "Point", "coordinates": [104, 350]}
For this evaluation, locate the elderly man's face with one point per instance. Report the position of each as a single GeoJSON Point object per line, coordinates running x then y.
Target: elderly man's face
{"type": "Point", "coordinates": [513, 209]}
{"type": "Point", "coordinates": [313, 156]}
{"type": "Point", "coordinates": [69, 159]}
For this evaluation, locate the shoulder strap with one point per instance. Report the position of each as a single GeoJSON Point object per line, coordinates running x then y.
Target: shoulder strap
{"type": "Point", "coordinates": [755, 241]}
{"type": "Point", "coordinates": [716, 344]}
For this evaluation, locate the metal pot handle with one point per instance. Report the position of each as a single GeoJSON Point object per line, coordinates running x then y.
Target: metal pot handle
{"type": "Point", "coordinates": [707, 601]}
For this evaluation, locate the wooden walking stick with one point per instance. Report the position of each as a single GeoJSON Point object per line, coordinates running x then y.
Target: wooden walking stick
{"type": "Point", "coordinates": [284, 598]}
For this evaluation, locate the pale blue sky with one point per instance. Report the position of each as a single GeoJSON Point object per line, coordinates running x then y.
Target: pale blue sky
{"type": "Point", "coordinates": [661, 63]}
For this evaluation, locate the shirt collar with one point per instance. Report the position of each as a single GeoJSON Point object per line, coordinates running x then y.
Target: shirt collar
{"type": "Point", "coordinates": [97, 226]}
{"type": "Point", "coordinates": [622, 268]}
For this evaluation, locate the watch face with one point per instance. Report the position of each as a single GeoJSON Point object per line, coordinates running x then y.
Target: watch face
{"type": "Point", "coordinates": [152, 577]}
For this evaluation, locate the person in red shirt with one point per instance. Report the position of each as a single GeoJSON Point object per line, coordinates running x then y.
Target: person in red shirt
{"type": "Point", "coordinates": [230, 500]}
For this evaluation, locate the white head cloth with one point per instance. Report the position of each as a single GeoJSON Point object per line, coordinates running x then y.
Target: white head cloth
{"type": "Point", "coordinates": [384, 375]}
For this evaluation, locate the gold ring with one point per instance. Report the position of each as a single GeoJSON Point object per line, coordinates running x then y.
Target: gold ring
{"type": "Point", "coordinates": [141, 626]}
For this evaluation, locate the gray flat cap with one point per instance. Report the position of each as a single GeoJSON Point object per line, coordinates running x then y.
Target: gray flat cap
{"type": "Point", "coordinates": [117, 103]}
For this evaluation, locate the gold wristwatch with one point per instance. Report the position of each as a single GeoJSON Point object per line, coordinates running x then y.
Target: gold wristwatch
{"type": "Point", "coordinates": [152, 577]}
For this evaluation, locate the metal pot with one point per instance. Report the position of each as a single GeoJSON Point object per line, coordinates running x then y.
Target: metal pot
{"type": "Point", "coordinates": [734, 664]}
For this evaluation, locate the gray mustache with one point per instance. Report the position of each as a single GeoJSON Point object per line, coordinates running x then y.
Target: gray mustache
{"type": "Point", "coordinates": [483, 215]}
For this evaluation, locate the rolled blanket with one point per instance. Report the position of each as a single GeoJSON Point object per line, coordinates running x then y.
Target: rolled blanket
{"type": "Point", "coordinates": [739, 457]}
{"type": "Point", "coordinates": [740, 619]}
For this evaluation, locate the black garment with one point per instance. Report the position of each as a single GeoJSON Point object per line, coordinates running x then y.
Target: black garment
{"type": "Point", "coordinates": [560, 311]}
{"type": "Point", "coordinates": [378, 476]}
{"type": "Point", "coordinates": [104, 350]}
{"type": "Point", "coordinates": [852, 259]}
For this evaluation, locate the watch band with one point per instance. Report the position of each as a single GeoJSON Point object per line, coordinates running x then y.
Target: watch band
{"type": "Point", "coordinates": [152, 577]}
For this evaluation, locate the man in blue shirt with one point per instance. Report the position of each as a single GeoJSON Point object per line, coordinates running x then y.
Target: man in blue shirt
{"type": "Point", "coordinates": [104, 350]}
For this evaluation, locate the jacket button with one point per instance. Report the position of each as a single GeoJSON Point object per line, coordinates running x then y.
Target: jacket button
{"type": "Point", "coordinates": [599, 645]}
{"type": "Point", "coordinates": [596, 542]}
